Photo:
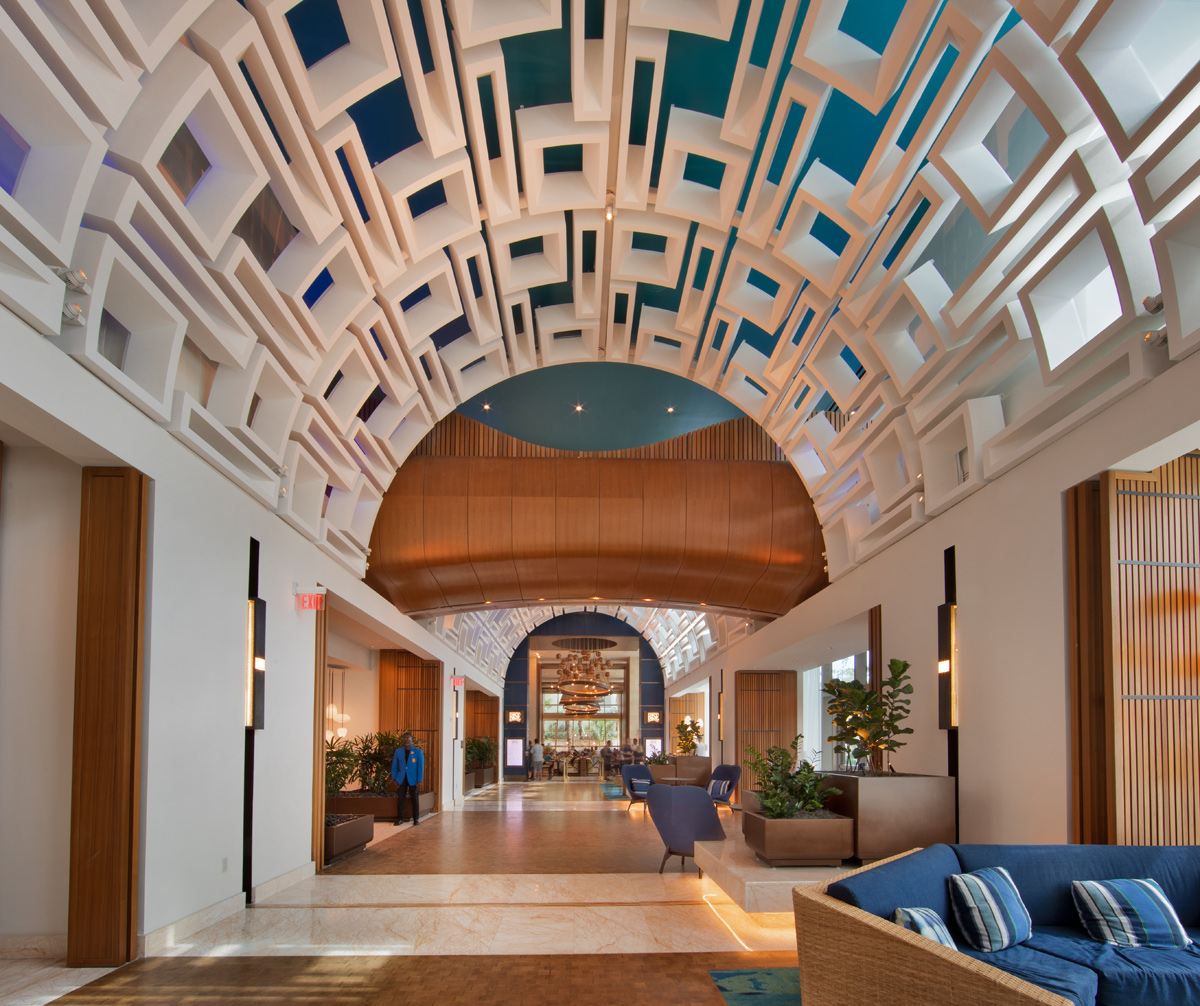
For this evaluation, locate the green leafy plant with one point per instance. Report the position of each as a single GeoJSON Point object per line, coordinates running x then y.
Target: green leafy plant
{"type": "Point", "coordinates": [690, 732]}
{"type": "Point", "coordinates": [659, 758]}
{"type": "Point", "coordinates": [481, 752]}
{"type": "Point", "coordinates": [374, 753]}
{"type": "Point", "coordinates": [867, 723]}
{"type": "Point", "coordinates": [341, 763]}
{"type": "Point", "coordinates": [789, 786]}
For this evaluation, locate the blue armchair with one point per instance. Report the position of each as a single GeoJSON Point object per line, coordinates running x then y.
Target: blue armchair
{"type": "Point", "coordinates": [683, 815]}
{"type": "Point", "coordinates": [722, 783]}
{"type": "Point", "coordinates": [637, 781]}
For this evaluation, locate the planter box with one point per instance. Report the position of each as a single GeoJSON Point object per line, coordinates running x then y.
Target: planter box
{"type": "Point", "coordinates": [660, 772]}
{"type": "Point", "coordinates": [382, 807]}
{"type": "Point", "coordinates": [342, 840]}
{"type": "Point", "coordinates": [895, 813]}
{"type": "Point", "coordinates": [751, 802]}
{"type": "Point", "coordinates": [484, 777]}
{"type": "Point", "coordinates": [695, 768]}
{"type": "Point", "coordinates": [800, 841]}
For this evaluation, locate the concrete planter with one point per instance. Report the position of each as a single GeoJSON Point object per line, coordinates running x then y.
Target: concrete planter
{"type": "Point", "coordinates": [894, 813]}
{"type": "Point", "coordinates": [347, 838]}
{"type": "Point", "coordinates": [381, 806]}
{"type": "Point", "coordinates": [799, 841]}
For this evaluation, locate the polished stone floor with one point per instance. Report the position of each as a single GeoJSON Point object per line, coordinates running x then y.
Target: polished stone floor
{"type": "Point", "coordinates": [529, 890]}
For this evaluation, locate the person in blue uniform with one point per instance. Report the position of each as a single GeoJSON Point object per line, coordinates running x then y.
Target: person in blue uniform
{"type": "Point", "coordinates": [408, 769]}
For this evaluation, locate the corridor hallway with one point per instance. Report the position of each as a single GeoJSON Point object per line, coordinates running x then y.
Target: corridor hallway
{"type": "Point", "coordinates": [532, 891]}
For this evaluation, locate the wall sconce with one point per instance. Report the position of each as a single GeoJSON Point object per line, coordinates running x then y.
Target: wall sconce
{"type": "Point", "coordinates": [653, 716]}
{"type": "Point", "coordinates": [947, 671]}
{"type": "Point", "coordinates": [256, 661]}
{"type": "Point", "coordinates": [516, 716]}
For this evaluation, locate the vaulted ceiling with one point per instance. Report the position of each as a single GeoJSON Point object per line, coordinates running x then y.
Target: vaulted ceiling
{"type": "Point", "coordinates": [911, 239]}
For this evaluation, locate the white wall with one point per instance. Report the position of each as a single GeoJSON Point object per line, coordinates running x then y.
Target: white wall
{"type": "Point", "coordinates": [194, 737]}
{"type": "Point", "coordinates": [39, 583]}
{"type": "Point", "coordinates": [1010, 550]}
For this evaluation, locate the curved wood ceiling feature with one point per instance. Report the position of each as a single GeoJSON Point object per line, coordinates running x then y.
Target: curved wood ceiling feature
{"type": "Point", "coordinates": [454, 534]}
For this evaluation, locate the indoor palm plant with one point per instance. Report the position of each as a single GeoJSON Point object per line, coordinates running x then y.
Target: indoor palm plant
{"type": "Point", "coordinates": [793, 827]}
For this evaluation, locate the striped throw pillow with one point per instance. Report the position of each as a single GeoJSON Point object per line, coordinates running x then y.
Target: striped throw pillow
{"type": "Point", "coordinates": [717, 788]}
{"type": "Point", "coordinates": [989, 909]}
{"type": "Point", "coordinates": [925, 922]}
{"type": "Point", "coordinates": [1128, 913]}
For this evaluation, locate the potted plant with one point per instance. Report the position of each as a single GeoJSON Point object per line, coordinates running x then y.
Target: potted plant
{"type": "Point", "coordinates": [793, 827]}
{"type": "Point", "coordinates": [377, 792]}
{"type": "Point", "coordinates": [660, 765]}
{"type": "Point", "coordinates": [480, 758]}
{"type": "Point", "coordinates": [893, 812]}
{"type": "Point", "coordinates": [690, 732]}
{"type": "Point", "coordinates": [345, 834]}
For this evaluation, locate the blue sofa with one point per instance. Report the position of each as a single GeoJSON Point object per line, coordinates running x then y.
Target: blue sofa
{"type": "Point", "coordinates": [851, 950]}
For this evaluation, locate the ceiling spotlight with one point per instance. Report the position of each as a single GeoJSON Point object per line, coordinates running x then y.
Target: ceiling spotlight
{"type": "Point", "coordinates": [670, 408]}
{"type": "Point", "coordinates": [610, 205]}
{"type": "Point", "coordinates": [486, 407]}
{"type": "Point", "coordinates": [578, 408]}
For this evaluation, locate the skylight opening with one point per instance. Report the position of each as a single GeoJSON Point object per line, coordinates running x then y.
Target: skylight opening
{"type": "Point", "coordinates": [639, 102]}
{"type": "Point", "coordinates": [352, 182]}
{"type": "Point", "coordinates": [13, 152]}
{"type": "Point", "coordinates": [184, 163]}
{"type": "Point", "coordinates": [703, 265]}
{"type": "Point", "coordinates": [487, 106]}
{"type": "Point", "coordinates": [526, 246]}
{"type": "Point", "coordinates": [262, 107]}
{"type": "Point", "coordinates": [761, 281]}
{"type": "Point", "coordinates": [318, 29]}
{"type": "Point", "coordinates": [830, 234]}
{"type": "Point", "coordinates": [567, 157]}
{"type": "Point", "coordinates": [429, 198]}
{"type": "Point", "coordinates": [787, 140]}
{"type": "Point", "coordinates": [318, 288]}
{"type": "Point", "coordinates": [421, 32]}
{"type": "Point", "coordinates": [703, 170]}
{"type": "Point", "coordinates": [871, 22]}
{"type": "Point", "coordinates": [644, 241]}
{"type": "Point", "coordinates": [413, 299]}
{"type": "Point", "coordinates": [1015, 139]}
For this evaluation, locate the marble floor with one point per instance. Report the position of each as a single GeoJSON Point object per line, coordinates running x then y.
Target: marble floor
{"type": "Point", "coordinates": [553, 885]}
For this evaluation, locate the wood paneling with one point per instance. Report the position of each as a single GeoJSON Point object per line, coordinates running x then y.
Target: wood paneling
{"type": "Point", "coordinates": [736, 535]}
{"type": "Point", "coordinates": [740, 439]}
{"type": "Point", "coordinates": [1091, 693]}
{"type": "Point", "coordinates": [481, 717]}
{"type": "Point", "coordinates": [875, 664]}
{"type": "Point", "coordinates": [1151, 553]}
{"type": "Point", "coordinates": [106, 757]}
{"type": "Point", "coordinates": [410, 698]}
{"type": "Point", "coordinates": [678, 706]}
{"type": "Point", "coordinates": [766, 715]}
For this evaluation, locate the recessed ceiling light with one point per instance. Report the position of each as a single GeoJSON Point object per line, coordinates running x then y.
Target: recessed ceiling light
{"type": "Point", "coordinates": [647, 599]}
{"type": "Point", "coordinates": [487, 407]}
{"type": "Point", "coordinates": [578, 408]}
{"type": "Point", "coordinates": [670, 408]}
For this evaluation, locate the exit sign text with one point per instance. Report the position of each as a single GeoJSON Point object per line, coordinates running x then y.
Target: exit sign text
{"type": "Point", "coordinates": [310, 602]}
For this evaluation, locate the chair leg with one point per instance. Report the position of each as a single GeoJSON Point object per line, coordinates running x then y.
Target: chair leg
{"type": "Point", "coordinates": [664, 861]}
{"type": "Point", "coordinates": [701, 873]}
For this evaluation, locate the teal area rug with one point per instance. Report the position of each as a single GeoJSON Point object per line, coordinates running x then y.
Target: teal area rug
{"type": "Point", "coordinates": [613, 790]}
{"type": "Point", "coordinates": [759, 986]}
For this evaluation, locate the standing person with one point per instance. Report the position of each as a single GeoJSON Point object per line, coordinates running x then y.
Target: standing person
{"type": "Point", "coordinates": [528, 761]}
{"type": "Point", "coordinates": [537, 753]}
{"type": "Point", "coordinates": [408, 769]}
{"type": "Point", "coordinates": [639, 755]}
{"type": "Point", "coordinates": [627, 753]}
{"type": "Point", "coordinates": [608, 755]}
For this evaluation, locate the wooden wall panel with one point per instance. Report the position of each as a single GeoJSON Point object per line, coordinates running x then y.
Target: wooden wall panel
{"type": "Point", "coordinates": [735, 535]}
{"type": "Point", "coordinates": [481, 717]}
{"type": "Point", "coordinates": [1151, 559]}
{"type": "Point", "coordinates": [106, 756]}
{"type": "Point", "coordinates": [533, 530]}
{"type": "Point", "coordinates": [678, 706]}
{"type": "Point", "coordinates": [620, 527]}
{"type": "Point", "coordinates": [664, 506]}
{"type": "Point", "coordinates": [766, 715]}
{"type": "Point", "coordinates": [410, 698]}
{"type": "Point", "coordinates": [740, 439]}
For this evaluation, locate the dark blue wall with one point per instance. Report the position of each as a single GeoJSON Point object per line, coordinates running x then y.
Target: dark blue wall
{"type": "Point", "coordinates": [582, 623]}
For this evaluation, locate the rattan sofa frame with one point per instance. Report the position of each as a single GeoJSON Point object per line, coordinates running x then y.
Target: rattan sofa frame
{"type": "Point", "coordinates": [851, 956]}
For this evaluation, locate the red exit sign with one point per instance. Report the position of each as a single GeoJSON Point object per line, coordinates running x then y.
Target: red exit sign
{"type": "Point", "coordinates": [310, 602]}
{"type": "Point", "coordinates": [456, 682]}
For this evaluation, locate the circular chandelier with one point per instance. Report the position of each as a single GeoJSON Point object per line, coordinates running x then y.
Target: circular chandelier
{"type": "Point", "coordinates": [580, 708]}
{"type": "Point", "coordinates": [583, 675]}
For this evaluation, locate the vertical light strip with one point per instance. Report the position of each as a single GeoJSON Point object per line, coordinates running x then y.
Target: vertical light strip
{"type": "Point", "coordinates": [250, 662]}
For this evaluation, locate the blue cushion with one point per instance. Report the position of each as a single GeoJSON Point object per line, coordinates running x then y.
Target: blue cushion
{"type": "Point", "coordinates": [1071, 981]}
{"type": "Point", "coordinates": [1043, 874]}
{"type": "Point", "coordinates": [989, 909]}
{"type": "Point", "coordinates": [1148, 976]}
{"type": "Point", "coordinates": [1129, 913]}
{"type": "Point", "coordinates": [640, 786]}
{"type": "Point", "coordinates": [718, 788]}
{"type": "Point", "coordinates": [917, 879]}
{"type": "Point", "coordinates": [925, 922]}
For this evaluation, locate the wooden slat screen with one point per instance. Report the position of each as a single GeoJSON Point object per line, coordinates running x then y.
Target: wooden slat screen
{"type": "Point", "coordinates": [766, 715]}
{"type": "Point", "coordinates": [481, 715]}
{"type": "Point", "coordinates": [739, 439]}
{"type": "Point", "coordinates": [679, 706]}
{"type": "Point", "coordinates": [1153, 552]}
{"type": "Point", "coordinates": [106, 759]}
{"type": "Point", "coordinates": [410, 691]}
